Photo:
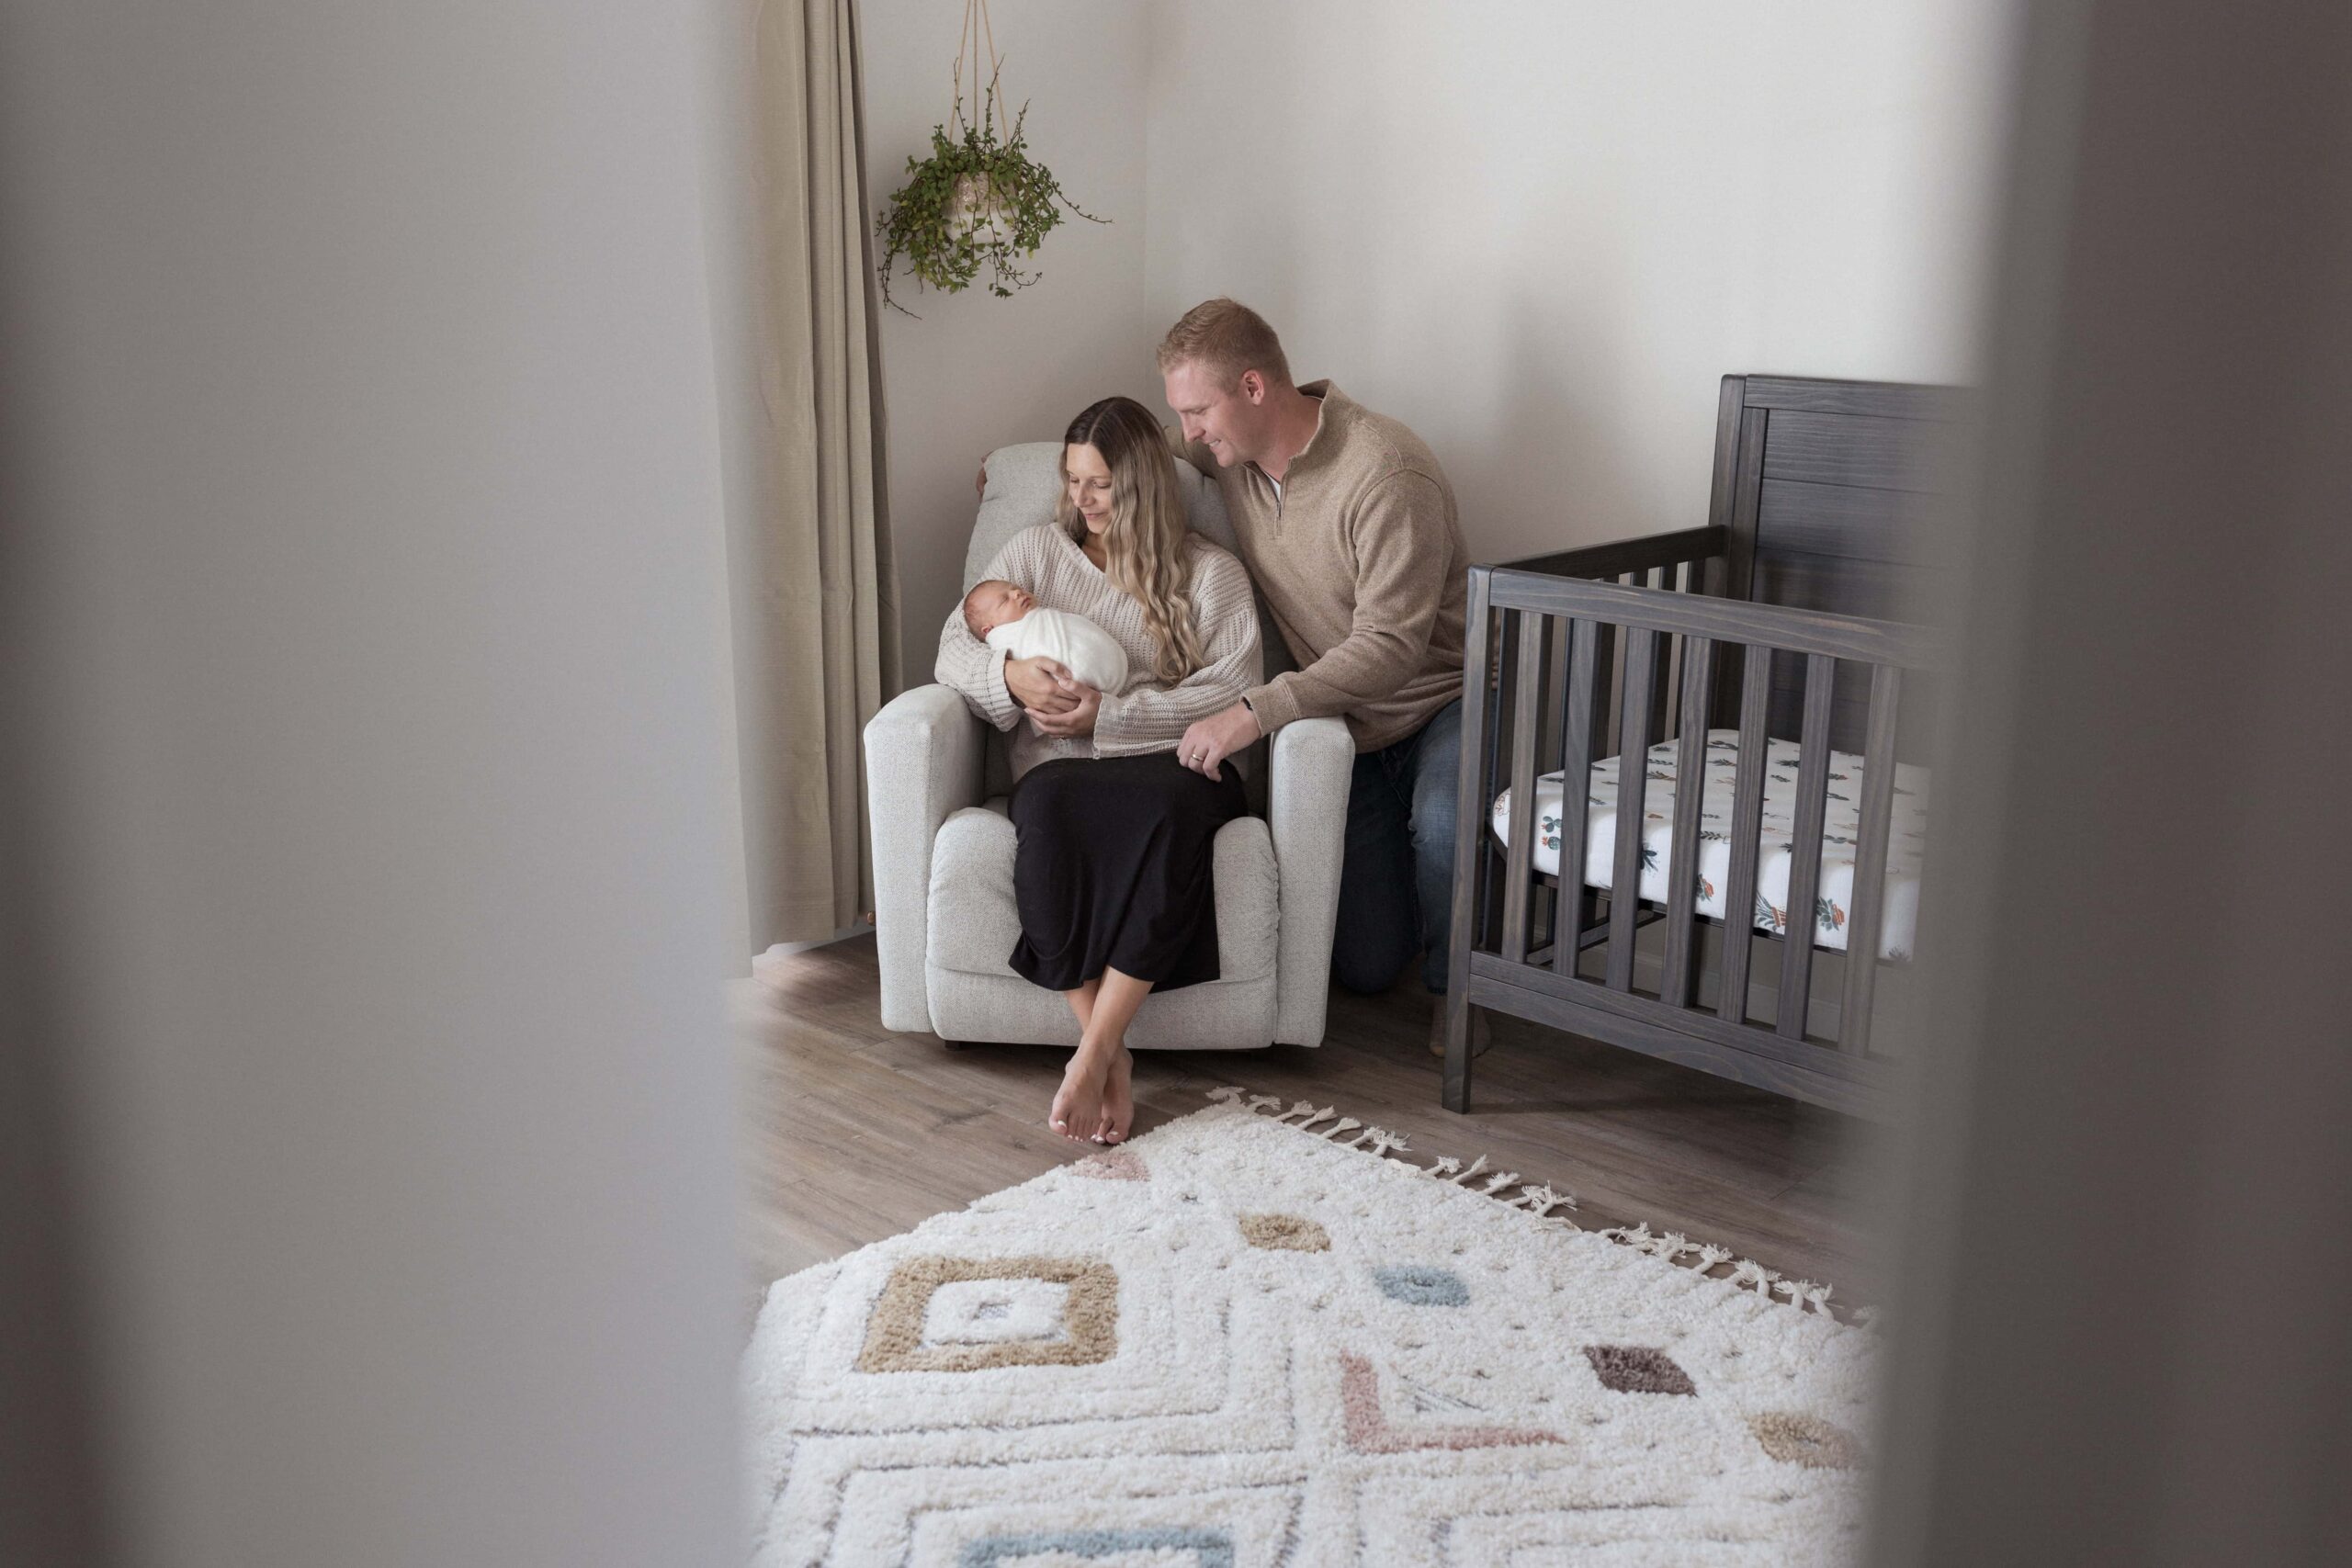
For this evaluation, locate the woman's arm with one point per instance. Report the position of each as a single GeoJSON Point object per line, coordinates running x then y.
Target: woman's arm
{"type": "Point", "coordinates": [1153, 718]}
{"type": "Point", "coordinates": [993, 686]}
{"type": "Point", "coordinates": [973, 668]}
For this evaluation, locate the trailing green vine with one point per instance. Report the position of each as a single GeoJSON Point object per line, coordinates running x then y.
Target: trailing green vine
{"type": "Point", "coordinates": [978, 201]}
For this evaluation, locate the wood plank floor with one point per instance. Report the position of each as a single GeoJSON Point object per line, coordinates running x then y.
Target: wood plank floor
{"type": "Point", "coordinates": [854, 1133]}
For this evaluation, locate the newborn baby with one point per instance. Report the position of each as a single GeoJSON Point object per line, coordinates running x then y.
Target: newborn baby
{"type": "Point", "coordinates": [1003, 615]}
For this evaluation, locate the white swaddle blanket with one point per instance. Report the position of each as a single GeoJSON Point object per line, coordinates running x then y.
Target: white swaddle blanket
{"type": "Point", "coordinates": [1090, 654]}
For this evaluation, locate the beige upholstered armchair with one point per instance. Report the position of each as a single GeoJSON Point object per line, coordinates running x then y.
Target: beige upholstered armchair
{"type": "Point", "coordinates": [945, 921]}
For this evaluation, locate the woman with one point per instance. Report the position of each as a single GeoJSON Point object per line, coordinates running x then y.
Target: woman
{"type": "Point", "coordinates": [1113, 872]}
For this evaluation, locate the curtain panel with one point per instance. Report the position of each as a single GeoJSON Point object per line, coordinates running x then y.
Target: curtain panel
{"type": "Point", "coordinates": [822, 637]}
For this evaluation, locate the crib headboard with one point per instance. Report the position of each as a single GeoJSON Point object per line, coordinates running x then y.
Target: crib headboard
{"type": "Point", "coordinates": [1838, 496]}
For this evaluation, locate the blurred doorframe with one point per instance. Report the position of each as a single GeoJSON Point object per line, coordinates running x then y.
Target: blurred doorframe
{"type": "Point", "coordinates": [2120, 1325]}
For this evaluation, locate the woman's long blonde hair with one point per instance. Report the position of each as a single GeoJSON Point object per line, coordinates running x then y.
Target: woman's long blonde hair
{"type": "Point", "coordinates": [1145, 542]}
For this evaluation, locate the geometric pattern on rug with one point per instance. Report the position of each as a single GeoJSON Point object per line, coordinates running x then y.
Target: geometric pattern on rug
{"type": "Point", "coordinates": [1800, 1439]}
{"type": "Point", "coordinates": [1422, 1286]}
{"type": "Point", "coordinates": [1284, 1231]}
{"type": "Point", "coordinates": [1245, 1344]}
{"type": "Point", "coordinates": [1113, 1165]}
{"type": "Point", "coordinates": [1207, 1549]}
{"type": "Point", "coordinates": [966, 1315]}
{"type": "Point", "coordinates": [1638, 1368]}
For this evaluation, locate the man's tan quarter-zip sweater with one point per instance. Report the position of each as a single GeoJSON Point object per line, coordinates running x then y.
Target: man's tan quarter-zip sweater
{"type": "Point", "coordinates": [1358, 553]}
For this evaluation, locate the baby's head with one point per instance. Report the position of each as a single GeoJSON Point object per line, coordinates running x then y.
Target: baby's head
{"type": "Point", "coordinates": [995, 603]}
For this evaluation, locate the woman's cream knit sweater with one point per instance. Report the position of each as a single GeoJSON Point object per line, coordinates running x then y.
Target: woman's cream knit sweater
{"type": "Point", "coordinates": [1145, 717]}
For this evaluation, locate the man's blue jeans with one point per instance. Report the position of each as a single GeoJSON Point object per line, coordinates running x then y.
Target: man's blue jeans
{"type": "Point", "coordinates": [1396, 876]}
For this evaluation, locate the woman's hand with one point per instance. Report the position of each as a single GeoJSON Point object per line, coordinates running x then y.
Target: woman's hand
{"type": "Point", "coordinates": [1043, 686]}
{"type": "Point", "coordinates": [1075, 721]}
{"type": "Point", "coordinates": [1217, 736]}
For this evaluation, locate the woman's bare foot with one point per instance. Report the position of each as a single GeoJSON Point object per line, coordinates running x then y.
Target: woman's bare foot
{"type": "Point", "coordinates": [1118, 1099]}
{"type": "Point", "coordinates": [1078, 1104]}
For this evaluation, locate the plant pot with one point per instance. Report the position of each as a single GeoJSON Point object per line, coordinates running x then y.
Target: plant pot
{"type": "Point", "coordinates": [977, 212]}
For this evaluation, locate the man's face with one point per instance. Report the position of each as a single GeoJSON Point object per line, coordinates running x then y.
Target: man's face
{"type": "Point", "coordinates": [1228, 419]}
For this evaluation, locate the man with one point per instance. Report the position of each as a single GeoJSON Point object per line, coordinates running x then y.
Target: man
{"type": "Point", "coordinates": [1348, 525]}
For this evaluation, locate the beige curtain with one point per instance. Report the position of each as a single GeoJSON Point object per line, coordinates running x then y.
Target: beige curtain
{"type": "Point", "coordinates": [824, 606]}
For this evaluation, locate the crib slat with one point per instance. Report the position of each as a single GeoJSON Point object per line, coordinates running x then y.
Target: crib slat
{"type": "Point", "coordinates": [1690, 791]}
{"type": "Point", "coordinates": [1551, 713]}
{"type": "Point", "coordinates": [1804, 849]}
{"type": "Point", "coordinates": [1470, 856]}
{"type": "Point", "coordinates": [1606, 717]}
{"type": "Point", "coordinates": [1870, 863]}
{"type": "Point", "coordinates": [1520, 870]}
{"type": "Point", "coordinates": [1659, 724]}
{"type": "Point", "coordinates": [1632, 777]}
{"type": "Point", "coordinates": [1576, 789]}
{"type": "Point", "coordinates": [1747, 831]}
{"type": "Point", "coordinates": [1499, 650]}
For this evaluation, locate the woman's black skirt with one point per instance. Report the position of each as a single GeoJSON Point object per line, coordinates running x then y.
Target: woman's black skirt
{"type": "Point", "coordinates": [1115, 869]}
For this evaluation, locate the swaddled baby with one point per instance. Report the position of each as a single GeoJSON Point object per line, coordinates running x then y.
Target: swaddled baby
{"type": "Point", "coordinates": [1003, 615]}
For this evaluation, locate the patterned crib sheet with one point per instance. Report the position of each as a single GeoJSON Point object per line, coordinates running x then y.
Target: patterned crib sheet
{"type": "Point", "coordinates": [1839, 841]}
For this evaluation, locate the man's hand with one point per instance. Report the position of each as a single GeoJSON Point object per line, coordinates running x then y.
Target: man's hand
{"type": "Point", "coordinates": [1217, 736]}
{"type": "Point", "coordinates": [1044, 686]}
{"type": "Point", "coordinates": [1076, 720]}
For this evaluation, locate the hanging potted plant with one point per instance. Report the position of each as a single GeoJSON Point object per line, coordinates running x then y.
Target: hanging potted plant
{"type": "Point", "coordinates": [978, 200]}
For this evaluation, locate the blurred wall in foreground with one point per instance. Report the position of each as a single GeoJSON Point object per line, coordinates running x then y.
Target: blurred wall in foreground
{"type": "Point", "coordinates": [364, 617]}
{"type": "Point", "coordinates": [2122, 1330]}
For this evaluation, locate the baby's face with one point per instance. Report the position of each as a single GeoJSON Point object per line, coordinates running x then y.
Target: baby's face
{"type": "Point", "coordinates": [995, 604]}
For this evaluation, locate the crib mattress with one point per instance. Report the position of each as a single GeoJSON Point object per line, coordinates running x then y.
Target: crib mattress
{"type": "Point", "coordinates": [1840, 835]}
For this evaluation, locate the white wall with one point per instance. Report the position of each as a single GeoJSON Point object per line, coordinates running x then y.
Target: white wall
{"type": "Point", "coordinates": [360, 459]}
{"type": "Point", "coordinates": [977, 372]}
{"type": "Point", "coordinates": [1539, 233]}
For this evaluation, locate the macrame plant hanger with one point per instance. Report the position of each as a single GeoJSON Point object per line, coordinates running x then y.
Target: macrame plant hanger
{"type": "Point", "coordinates": [978, 202]}
{"type": "Point", "coordinates": [977, 208]}
{"type": "Point", "coordinates": [978, 35]}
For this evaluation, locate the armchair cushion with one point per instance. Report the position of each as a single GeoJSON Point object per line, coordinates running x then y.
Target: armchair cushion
{"type": "Point", "coordinates": [975, 924]}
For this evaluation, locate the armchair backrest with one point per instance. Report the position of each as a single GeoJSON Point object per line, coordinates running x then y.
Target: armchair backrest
{"type": "Point", "coordinates": [1024, 481]}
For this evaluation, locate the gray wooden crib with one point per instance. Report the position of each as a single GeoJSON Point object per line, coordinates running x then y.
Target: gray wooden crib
{"type": "Point", "coordinates": [1774, 623]}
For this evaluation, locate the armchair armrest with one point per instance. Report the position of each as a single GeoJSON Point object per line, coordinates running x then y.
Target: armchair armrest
{"type": "Point", "coordinates": [1312, 764]}
{"type": "Point", "coordinates": [923, 761]}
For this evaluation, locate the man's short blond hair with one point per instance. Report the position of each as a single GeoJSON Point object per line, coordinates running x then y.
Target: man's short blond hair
{"type": "Point", "coordinates": [1225, 337]}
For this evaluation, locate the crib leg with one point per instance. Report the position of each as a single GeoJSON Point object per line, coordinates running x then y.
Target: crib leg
{"type": "Point", "coordinates": [1456, 1094]}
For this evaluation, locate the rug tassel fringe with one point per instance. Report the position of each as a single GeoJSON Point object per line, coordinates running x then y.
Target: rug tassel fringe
{"type": "Point", "coordinates": [1541, 1201]}
{"type": "Point", "coordinates": [1538, 1200]}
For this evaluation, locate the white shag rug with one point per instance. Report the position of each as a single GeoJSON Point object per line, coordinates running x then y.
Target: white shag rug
{"type": "Point", "coordinates": [1256, 1336]}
